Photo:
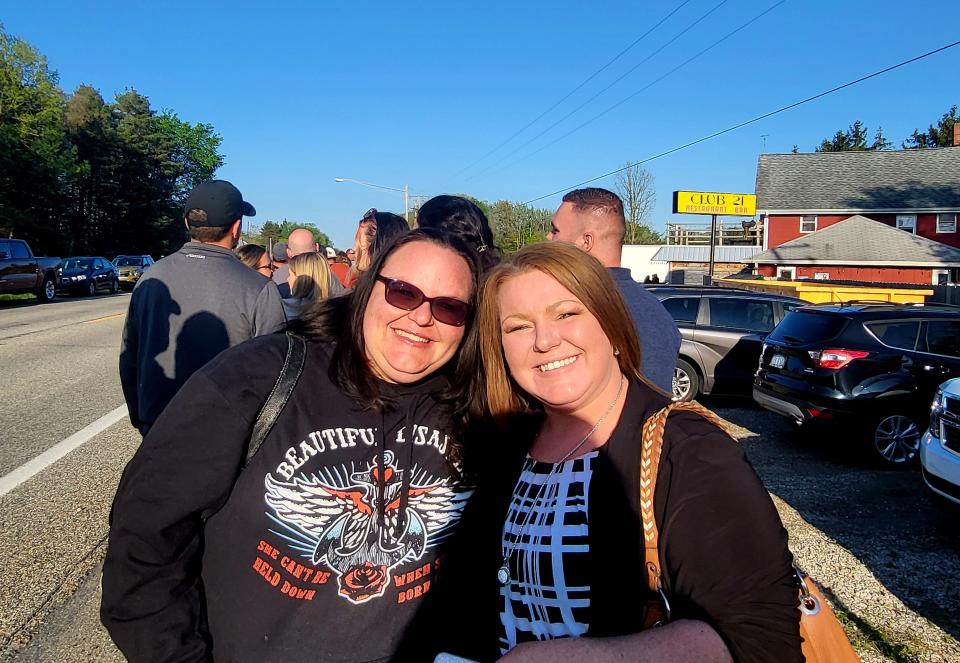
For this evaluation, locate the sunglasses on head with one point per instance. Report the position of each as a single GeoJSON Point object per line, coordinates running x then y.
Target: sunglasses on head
{"type": "Point", "coordinates": [409, 297]}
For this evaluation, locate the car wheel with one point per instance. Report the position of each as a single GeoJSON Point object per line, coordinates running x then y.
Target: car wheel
{"type": "Point", "coordinates": [91, 287]}
{"type": "Point", "coordinates": [686, 382]}
{"type": "Point", "coordinates": [114, 286]}
{"type": "Point", "coordinates": [48, 290]}
{"type": "Point", "coordinates": [896, 438]}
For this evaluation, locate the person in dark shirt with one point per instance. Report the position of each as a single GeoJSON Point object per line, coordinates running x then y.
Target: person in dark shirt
{"type": "Point", "coordinates": [326, 545]}
{"type": "Point", "coordinates": [593, 221]}
{"type": "Point", "coordinates": [561, 357]}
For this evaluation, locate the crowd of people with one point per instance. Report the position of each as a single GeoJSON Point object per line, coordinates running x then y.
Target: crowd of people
{"type": "Point", "coordinates": [451, 459]}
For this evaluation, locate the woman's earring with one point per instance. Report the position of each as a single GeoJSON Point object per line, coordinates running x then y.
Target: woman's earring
{"type": "Point", "coordinates": [616, 353]}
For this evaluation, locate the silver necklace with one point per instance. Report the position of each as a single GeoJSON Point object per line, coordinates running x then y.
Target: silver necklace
{"type": "Point", "coordinates": [503, 573]}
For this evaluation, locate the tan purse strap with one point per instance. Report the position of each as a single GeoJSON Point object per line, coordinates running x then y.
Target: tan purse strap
{"type": "Point", "coordinates": [649, 465]}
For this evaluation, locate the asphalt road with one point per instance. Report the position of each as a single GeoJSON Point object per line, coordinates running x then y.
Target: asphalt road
{"type": "Point", "coordinates": [59, 367]}
{"type": "Point", "coordinates": [874, 537]}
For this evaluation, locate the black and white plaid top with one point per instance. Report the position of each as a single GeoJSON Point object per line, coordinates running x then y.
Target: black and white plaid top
{"type": "Point", "coordinates": [548, 595]}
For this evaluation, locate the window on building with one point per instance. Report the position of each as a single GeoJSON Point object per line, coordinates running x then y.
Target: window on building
{"type": "Point", "coordinates": [947, 223]}
{"type": "Point", "coordinates": [907, 222]}
{"type": "Point", "coordinates": [808, 224]}
{"type": "Point", "coordinates": [787, 273]}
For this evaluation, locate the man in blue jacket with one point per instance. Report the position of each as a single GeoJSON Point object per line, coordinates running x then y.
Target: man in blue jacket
{"type": "Point", "coordinates": [592, 220]}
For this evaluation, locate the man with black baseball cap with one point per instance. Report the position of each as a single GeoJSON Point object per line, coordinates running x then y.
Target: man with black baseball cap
{"type": "Point", "coordinates": [193, 304]}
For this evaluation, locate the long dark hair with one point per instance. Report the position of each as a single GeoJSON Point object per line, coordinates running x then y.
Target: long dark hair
{"type": "Point", "coordinates": [464, 218]}
{"type": "Point", "coordinates": [341, 320]}
{"type": "Point", "coordinates": [389, 225]}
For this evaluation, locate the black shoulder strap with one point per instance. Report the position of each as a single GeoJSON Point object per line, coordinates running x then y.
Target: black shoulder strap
{"type": "Point", "coordinates": [280, 394]}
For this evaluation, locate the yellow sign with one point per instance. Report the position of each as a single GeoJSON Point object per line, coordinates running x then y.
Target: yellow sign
{"type": "Point", "coordinates": [704, 202]}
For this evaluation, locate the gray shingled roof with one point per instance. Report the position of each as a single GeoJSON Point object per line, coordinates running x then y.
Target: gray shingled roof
{"type": "Point", "coordinates": [702, 253]}
{"type": "Point", "coordinates": [861, 241]}
{"type": "Point", "coordinates": [894, 181]}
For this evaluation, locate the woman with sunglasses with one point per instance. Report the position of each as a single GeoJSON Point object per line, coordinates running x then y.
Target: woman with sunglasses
{"type": "Point", "coordinates": [326, 544]}
{"type": "Point", "coordinates": [255, 257]}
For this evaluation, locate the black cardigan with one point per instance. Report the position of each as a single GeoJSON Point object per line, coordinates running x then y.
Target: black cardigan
{"type": "Point", "coordinates": [722, 545]}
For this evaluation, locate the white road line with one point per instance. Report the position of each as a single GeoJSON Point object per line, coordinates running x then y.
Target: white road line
{"type": "Point", "coordinates": [59, 450]}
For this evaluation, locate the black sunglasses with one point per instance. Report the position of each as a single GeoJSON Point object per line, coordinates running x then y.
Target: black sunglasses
{"type": "Point", "coordinates": [409, 297]}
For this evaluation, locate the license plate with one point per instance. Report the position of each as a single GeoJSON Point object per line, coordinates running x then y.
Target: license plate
{"type": "Point", "coordinates": [778, 361]}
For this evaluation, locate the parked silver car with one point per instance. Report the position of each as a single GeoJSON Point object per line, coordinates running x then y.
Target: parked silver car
{"type": "Point", "coordinates": [723, 331]}
{"type": "Point", "coordinates": [940, 446]}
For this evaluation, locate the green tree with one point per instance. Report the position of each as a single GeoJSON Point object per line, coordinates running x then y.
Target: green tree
{"type": "Point", "coordinates": [515, 225]}
{"type": "Point", "coordinates": [193, 152]}
{"type": "Point", "coordinates": [287, 227]}
{"type": "Point", "coordinates": [640, 233]}
{"type": "Point", "coordinates": [880, 141]}
{"type": "Point", "coordinates": [34, 158]}
{"type": "Point", "coordinates": [938, 135]}
{"type": "Point", "coordinates": [855, 139]}
{"type": "Point", "coordinates": [270, 232]}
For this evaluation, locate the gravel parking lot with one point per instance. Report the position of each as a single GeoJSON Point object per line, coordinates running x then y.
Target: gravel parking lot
{"type": "Point", "coordinates": [884, 547]}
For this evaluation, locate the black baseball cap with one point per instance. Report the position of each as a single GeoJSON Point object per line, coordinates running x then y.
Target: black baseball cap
{"type": "Point", "coordinates": [220, 200]}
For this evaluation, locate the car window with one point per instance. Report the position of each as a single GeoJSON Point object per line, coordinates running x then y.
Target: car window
{"type": "Point", "coordinates": [900, 334]}
{"type": "Point", "coordinates": [75, 263]}
{"type": "Point", "coordinates": [683, 309]}
{"type": "Point", "coordinates": [4, 250]}
{"type": "Point", "coordinates": [943, 337]}
{"type": "Point", "coordinates": [739, 313]}
{"type": "Point", "coordinates": [19, 250]}
{"type": "Point", "coordinates": [809, 326]}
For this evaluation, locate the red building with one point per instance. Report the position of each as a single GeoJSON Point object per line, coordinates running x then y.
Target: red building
{"type": "Point", "coordinates": [916, 192]}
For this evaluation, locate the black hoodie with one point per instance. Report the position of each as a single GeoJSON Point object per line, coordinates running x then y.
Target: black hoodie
{"type": "Point", "coordinates": [322, 549]}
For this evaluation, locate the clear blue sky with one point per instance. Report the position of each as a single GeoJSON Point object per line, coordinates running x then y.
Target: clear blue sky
{"type": "Point", "coordinates": [411, 93]}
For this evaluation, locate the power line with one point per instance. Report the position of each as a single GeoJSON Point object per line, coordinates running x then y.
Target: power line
{"type": "Point", "coordinates": [649, 85]}
{"type": "Point", "coordinates": [588, 101]}
{"type": "Point", "coordinates": [753, 120]}
{"type": "Point", "coordinates": [571, 93]}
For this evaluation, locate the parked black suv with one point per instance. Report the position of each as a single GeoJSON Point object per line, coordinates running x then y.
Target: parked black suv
{"type": "Point", "coordinates": [722, 330]}
{"type": "Point", "coordinates": [876, 366]}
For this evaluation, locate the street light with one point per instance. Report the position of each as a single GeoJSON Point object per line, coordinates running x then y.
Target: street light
{"type": "Point", "coordinates": [405, 191]}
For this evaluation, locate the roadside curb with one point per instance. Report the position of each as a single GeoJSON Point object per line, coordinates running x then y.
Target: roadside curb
{"type": "Point", "coordinates": [12, 644]}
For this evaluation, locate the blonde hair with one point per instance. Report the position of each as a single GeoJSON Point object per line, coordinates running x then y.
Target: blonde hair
{"type": "Point", "coordinates": [313, 276]}
{"type": "Point", "coordinates": [587, 280]}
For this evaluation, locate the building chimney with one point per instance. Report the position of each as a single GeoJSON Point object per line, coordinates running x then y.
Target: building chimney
{"type": "Point", "coordinates": [956, 134]}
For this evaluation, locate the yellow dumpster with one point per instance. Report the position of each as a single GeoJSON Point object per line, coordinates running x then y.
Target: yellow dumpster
{"type": "Point", "coordinates": [823, 293]}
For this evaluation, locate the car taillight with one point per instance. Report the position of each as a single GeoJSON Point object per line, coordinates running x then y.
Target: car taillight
{"type": "Point", "coordinates": [835, 358]}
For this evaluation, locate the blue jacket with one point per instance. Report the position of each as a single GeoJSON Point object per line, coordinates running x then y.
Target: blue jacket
{"type": "Point", "coordinates": [656, 329]}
